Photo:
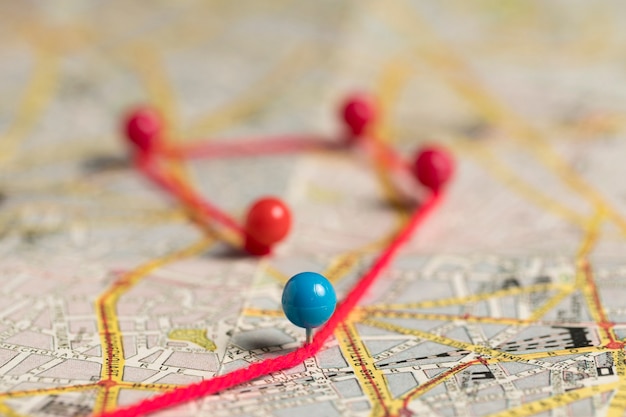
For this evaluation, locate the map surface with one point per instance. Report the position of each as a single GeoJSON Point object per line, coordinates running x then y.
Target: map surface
{"type": "Point", "coordinates": [509, 302]}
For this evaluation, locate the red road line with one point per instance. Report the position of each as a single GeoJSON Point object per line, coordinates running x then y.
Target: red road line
{"type": "Point", "coordinates": [604, 323]}
{"type": "Point", "coordinates": [108, 348]}
{"type": "Point", "coordinates": [364, 369]}
{"type": "Point", "coordinates": [436, 380]}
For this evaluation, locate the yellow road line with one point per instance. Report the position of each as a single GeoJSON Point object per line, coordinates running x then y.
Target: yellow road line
{"type": "Point", "coordinates": [446, 317]}
{"type": "Point", "coordinates": [149, 65]}
{"type": "Point", "coordinates": [48, 391]}
{"type": "Point", "coordinates": [552, 302]}
{"type": "Point", "coordinates": [205, 224]}
{"type": "Point", "coordinates": [421, 389]}
{"type": "Point", "coordinates": [389, 191]}
{"type": "Point", "coordinates": [107, 398]}
{"type": "Point", "coordinates": [257, 312]}
{"type": "Point", "coordinates": [596, 311]}
{"type": "Point", "coordinates": [151, 69]}
{"type": "Point", "coordinates": [564, 352]}
{"type": "Point", "coordinates": [189, 30]}
{"type": "Point", "coordinates": [391, 83]}
{"type": "Point", "coordinates": [591, 235]}
{"type": "Point", "coordinates": [586, 282]}
{"type": "Point", "coordinates": [276, 274]}
{"type": "Point", "coordinates": [370, 378]}
{"type": "Point", "coordinates": [37, 94]}
{"type": "Point", "coordinates": [445, 302]}
{"type": "Point", "coordinates": [550, 403]}
{"type": "Point", "coordinates": [80, 388]}
{"type": "Point", "coordinates": [483, 154]}
{"type": "Point", "coordinates": [393, 77]}
{"type": "Point", "coordinates": [133, 277]}
{"type": "Point", "coordinates": [140, 386]}
{"type": "Point", "coordinates": [7, 411]}
{"type": "Point", "coordinates": [618, 402]}
{"type": "Point", "coordinates": [442, 340]}
{"type": "Point", "coordinates": [108, 323]}
{"type": "Point", "coordinates": [460, 77]}
{"type": "Point", "coordinates": [255, 96]}
{"type": "Point", "coordinates": [342, 265]}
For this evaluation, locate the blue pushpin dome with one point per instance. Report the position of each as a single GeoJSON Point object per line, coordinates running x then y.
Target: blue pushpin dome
{"type": "Point", "coordinates": [308, 300]}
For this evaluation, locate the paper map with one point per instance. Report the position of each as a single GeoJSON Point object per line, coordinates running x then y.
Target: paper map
{"type": "Point", "coordinates": [509, 302]}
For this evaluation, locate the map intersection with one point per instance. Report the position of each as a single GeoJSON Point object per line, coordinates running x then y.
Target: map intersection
{"type": "Point", "coordinates": [508, 303]}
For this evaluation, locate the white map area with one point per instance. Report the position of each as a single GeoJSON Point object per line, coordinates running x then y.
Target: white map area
{"type": "Point", "coordinates": [508, 302]}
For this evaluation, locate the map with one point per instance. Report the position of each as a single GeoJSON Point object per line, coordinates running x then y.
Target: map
{"type": "Point", "coordinates": [508, 302]}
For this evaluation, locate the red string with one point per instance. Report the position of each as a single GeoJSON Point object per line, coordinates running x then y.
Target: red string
{"type": "Point", "coordinates": [195, 391]}
{"type": "Point", "coordinates": [282, 145]}
{"type": "Point", "coordinates": [251, 147]}
{"type": "Point", "coordinates": [186, 194]}
{"type": "Point", "coordinates": [148, 164]}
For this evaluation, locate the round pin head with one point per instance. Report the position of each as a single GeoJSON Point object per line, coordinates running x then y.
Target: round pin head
{"type": "Point", "coordinates": [268, 222]}
{"type": "Point", "coordinates": [308, 300]}
{"type": "Point", "coordinates": [143, 127]}
{"type": "Point", "coordinates": [433, 167]}
{"type": "Point", "coordinates": [359, 112]}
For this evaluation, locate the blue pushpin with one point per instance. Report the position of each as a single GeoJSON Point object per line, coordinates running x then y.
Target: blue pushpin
{"type": "Point", "coordinates": [308, 301]}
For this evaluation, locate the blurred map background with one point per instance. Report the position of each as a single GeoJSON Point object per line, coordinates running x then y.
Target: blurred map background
{"type": "Point", "coordinates": [510, 301]}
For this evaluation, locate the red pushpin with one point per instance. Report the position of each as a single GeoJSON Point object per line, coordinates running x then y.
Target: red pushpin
{"type": "Point", "coordinates": [267, 223]}
{"type": "Point", "coordinates": [433, 167]}
{"type": "Point", "coordinates": [143, 127]}
{"type": "Point", "coordinates": [359, 112]}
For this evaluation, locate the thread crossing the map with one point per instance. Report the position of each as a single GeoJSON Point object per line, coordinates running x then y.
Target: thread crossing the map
{"type": "Point", "coordinates": [251, 147]}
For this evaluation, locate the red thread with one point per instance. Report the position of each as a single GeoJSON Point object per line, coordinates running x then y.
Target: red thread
{"type": "Point", "coordinates": [171, 184]}
{"type": "Point", "coordinates": [195, 391]}
{"type": "Point", "coordinates": [251, 147]}
{"type": "Point", "coordinates": [148, 164]}
{"type": "Point", "coordinates": [281, 145]}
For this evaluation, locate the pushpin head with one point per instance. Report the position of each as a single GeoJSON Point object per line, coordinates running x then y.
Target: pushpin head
{"type": "Point", "coordinates": [359, 112]}
{"type": "Point", "coordinates": [308, 300]}
{"type": "Point", "coordinates": [268, 222]}
{"type": "Point", "coordinates": [143, 127]}
{"type": "Point", "coordinates": [433, 167]}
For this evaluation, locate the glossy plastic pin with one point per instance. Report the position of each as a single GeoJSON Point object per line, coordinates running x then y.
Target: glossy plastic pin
{"type": "Point", "coordinates": [143, 127]}
{"type": "Point", "coordinates": [358, 113]}
{"type": "Point", "coordinates": [267, 223]}
{"type": "Point", "coordinates": [308, 301]}
{"type": "Point", "coordinates": [433, 167]}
